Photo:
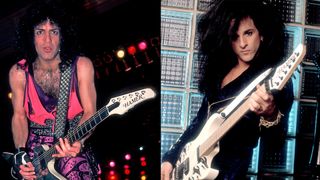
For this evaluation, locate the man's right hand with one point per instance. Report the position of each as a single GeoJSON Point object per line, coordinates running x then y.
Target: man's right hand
{"type": "Point", "coordinates": [166, 169]}
{"type": "Point", "coordinates": [22, 167]}
{"type": "Point", "coordinates": [27, 171]}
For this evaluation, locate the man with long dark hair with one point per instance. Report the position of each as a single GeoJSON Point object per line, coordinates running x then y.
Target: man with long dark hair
{"type": "Point", "coordinates": [47, 40]}
{"type": "Point", "coordinates": [239, 39]}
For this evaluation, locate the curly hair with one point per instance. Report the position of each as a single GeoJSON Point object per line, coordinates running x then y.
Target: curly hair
{"type": "Point", "coordinates": [215, 34]}
{"type": "Point", "coordinates": [58, 14]}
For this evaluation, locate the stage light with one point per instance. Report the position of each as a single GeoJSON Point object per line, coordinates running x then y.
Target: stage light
{"type": "Point", "coordinates": [127, 171]}
{"type": "Point", "coordinates": [127, 156]}
{"type": "Point", "coordinates": [112, 164]}
{"type": "Point", "coordinates": [143, 163]}
{"type": "Point", "coordinates": [142, 158]}
{"type": "Point", "coordinates": [112, 175]}
{"type": "Point", "coordinates": [132, 51]}
{"type": "Point", "coordinates": [142, 173]}
{"type": "Point", "coordinates": [143, 177]}
{"type": "Point", "coordinates": [141, 148]}
{"type": "Point", "coordinates": [120, 53]}
{"type": "Point", "coordinates": [142, 45]}
{"type": "Point", "coordinates": [112, 172]}
{"type": "Point", "coordinates": [10, 95]}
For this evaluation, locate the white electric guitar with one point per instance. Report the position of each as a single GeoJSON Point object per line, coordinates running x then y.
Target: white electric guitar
{"type": "Point", "coordinates": [195, 159]}
{"type": "Point", "coordinates": [43, 160]}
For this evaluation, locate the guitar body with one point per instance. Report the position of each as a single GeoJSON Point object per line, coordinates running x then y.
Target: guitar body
{"type": "Point", "coordinates": [192, 166]}
{"type": "Point", "coordinates": [45, 170]}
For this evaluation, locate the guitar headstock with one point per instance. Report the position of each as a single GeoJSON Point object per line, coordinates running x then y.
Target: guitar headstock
{"type": "Point", "coordinates": [283, 72]}
{"type": "Point", "coordinates": [129, 100]}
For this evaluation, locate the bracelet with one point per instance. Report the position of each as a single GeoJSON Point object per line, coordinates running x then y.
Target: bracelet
{"type": "Point", "coordinates": [267, 124]}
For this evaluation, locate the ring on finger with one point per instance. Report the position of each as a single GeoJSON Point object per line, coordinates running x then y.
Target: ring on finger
{"type": "Point", "coordinates": [260, 108]}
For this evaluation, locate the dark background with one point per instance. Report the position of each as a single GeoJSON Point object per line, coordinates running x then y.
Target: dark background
{"type": "Point", "coordinates": [105, 25]}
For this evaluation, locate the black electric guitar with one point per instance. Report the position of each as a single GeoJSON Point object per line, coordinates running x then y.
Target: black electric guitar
{"type": "Point", "coordinates": [196, 156]}
{"type": "Point", "coordinates": [43, 160]}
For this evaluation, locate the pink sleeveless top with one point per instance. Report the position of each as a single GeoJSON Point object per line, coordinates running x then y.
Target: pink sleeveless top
{"type": "Point", "coordinates": [41, 109]}
{"type": "Point", "coordinates": [41, 112]}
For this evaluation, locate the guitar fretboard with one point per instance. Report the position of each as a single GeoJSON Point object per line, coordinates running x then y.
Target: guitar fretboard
{"type": "Point", "coordinates": [79, 132]}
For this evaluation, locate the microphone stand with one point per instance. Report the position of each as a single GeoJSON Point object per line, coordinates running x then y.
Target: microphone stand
{"type": "Point", "coordinates": [316, 149]}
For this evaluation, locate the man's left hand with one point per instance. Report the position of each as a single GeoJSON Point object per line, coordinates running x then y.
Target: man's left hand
{"type": "Point", "coordinates": [262, 102]}
{"type": "Point", "coordinates": [67, 150]}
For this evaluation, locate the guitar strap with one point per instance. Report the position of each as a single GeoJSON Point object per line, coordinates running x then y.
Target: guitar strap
{"type": "Point", "coordinates": [62, 108]}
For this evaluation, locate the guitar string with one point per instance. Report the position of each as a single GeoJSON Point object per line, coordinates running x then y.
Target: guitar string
{"type": "Point", "coordinates": [72, 133]}
{"type": "Point", "coordinates": [48, 152]}
{"type": "Point", "coordinates": [224, 100]}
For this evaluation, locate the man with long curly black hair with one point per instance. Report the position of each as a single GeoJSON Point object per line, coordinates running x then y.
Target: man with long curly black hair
{"type": "Point", "coordinates": [47, 40]}
{"type": "Point", "coordinates": [239, 39]}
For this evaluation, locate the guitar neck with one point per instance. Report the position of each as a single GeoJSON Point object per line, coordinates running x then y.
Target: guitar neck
{"type": "Point", "coordinates": [81, 131]}
{"type": "Point", "coordinates": [85, 128]}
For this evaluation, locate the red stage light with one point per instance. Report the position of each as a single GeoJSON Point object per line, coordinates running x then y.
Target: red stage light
{"type": "Point", "coordinates": [143, 163]}
{"type": "Point", "coordinates": [112, 177]}
{"type": "Point", "coordinates": [131, 50]}
{"type": "Point", "coordinates": [127, 171]}
{"type": "Point", "coordinates": [142, 158]}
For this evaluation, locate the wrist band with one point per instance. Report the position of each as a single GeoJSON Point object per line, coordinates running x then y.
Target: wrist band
{"type": "Point", "coordinates": [267, 124]}
{"type": "Point", "coordinates": [20, 149]}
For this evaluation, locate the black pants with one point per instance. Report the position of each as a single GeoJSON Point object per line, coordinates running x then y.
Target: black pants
{"type": "Point", "coordinates": [232, 165]}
